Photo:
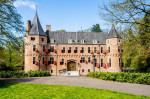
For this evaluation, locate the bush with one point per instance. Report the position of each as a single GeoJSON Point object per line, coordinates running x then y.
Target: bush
{"type": "Point", "coordinates": [139, 78]}
{"type": "Point", "coordinates": [18, 74]}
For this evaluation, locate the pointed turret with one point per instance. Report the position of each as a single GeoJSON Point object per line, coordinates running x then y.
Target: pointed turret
{"type": "Point", "coordinates": [36, 28]}
{"type": "Point", "coordinates": [113, 32]}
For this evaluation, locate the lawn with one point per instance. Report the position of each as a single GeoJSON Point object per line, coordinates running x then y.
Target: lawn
{"type": "Point", "coordinates": [24, 91]}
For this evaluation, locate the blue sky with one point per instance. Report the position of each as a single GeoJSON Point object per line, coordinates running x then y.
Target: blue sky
{"type": "Point", "coordinates": [63, 14]}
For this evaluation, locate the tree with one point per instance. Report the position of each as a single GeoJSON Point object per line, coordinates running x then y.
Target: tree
{"type": "Point", "coordinates": [61, 30]}
{"type": "Point", "coordinates": [10, 21]}
{"type": "Point", "coordinates": [96, 28]}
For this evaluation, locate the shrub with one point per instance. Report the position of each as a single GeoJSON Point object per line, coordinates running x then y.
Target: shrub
{"type": "Point", "coordinates": [139, 78]}
{"type": "Point", "coordinates": [18, 74]}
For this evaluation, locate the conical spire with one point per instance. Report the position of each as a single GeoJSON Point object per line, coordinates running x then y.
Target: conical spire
{"type": "Point", "coordinates": [36, 28]}
{"type": "Point", "coordinates": [113, 32]}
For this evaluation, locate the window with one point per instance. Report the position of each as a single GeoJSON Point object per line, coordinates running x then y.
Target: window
{"type": "Point", "coordinates": [101, 62]}
{"type": "Point", "coordinates": [82, 51]}
{"type": "Point", "coordinates": [76, 50]}
{"type": "Point", "coordinates": [82, 70]}
{"type": "Point", "coordinates": [42, 39]}
{"type": "Point", "coordinates": [51, 48]}
{"type": "Point", "coordinates": [95, 49]}
{"type": "Point", "coordinates": [95, 62]}
{"type": "Point", "coordinates": [32, 38]}
{"type": "Point", "coordinates": [70, 41]}
{"type": "Point", "coordinates": [88, 49]}
{"type": "Point", "coordinates": [33, 60]}
{"type": "Point", "coordinates": [119, 48]}
{"type": "Point", "coordinates": [51, 71]}
{"type": "Point", "coordinates": [89, 60]}
{"type": "Point", "coordinates": [62, 61]}
{"type": "Point", "coordinates": [51, 60]}
{"type": "Point", "coordinates": [43, 60]}
{"type": "Point", "coordinates": [109, 49]}
{"type": "Point", "coordinates": [119, 61]}
{"type": "Point", "coordinates": [82, 60]}
{"type": "Point", "coordinates": [88, 70]}
{"type": "Point", "coordinates": [110, 62]}
{"type": "Point", "coordinates": [43, 48]}
{"type": "Point", "coordinates": [82, 41]}
{"type": "Point", "coordinates": [94, 41]}
{"type": "Point", "coordinates": [63, 51]}
{"type": "Point", "coordinates": [69, 51]}
{"type": "Point", "coordinates": [34, 46]}
{"type": "Point", "coordinates": [52, 41]}
{"type": "Point", "coordinates": [101, 49]}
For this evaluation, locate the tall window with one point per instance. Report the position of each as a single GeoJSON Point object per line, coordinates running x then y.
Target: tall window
{"type": "Point", "coordinates": [119, 61]}
{"type": "Point", "coordinates": [119, 48]}
{"type": "Point", "coordinates": [82, 49]}
{"type": "Point", "coordinates": [51, 60]}
{"type": "Point", "coordinates": [89, 60]}
{"type": "Point", "coordinates": [95, 49]}
{"type": "Point", "coordinates": [69, 51]}
{"type": "Point", "coordinates": [43, 48]}
{"type": "Point", "coordinates": [88, 49]}
{"type": "Point", "coordinates": [34, 46]}
{"type": "Point", "coordinates": [95, 62]}
{"type": "Point", "coordinates": [43, 60]}
{"type": "Point", "coordinates": [82, 59]}
{"type": "Point", "coordinates": [63, 51]}
{"type": "Point", "coordinates": [110, 62]}
{"type": "Point", "coordinates": [51, 48]}
{"type": "Point", "coordinates": [62, 60]}
{"type": "Point", "coordinates": [33, 60]}
{"type": "Point", "coordinates": [101, 49]}
{"type": "Point", "coordinates": [109, 49]}
{"type": "Point", "coordinates": [88, 70]}
{"type": "Point", "coordinates": [101, 62]}
{"type": "Point", "coordinates": [82, 70]}
{"type": "Point", "coordinates": [82, 41]}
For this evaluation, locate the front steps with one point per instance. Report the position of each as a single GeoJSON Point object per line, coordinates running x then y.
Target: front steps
{"type": "Point", "coordinates": [70, 73]}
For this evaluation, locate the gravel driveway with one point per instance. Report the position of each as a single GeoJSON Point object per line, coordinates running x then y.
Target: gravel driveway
{"type": "Point", "coordinates": [83, 81]}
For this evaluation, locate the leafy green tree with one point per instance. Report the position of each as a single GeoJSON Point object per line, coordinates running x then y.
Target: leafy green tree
{"type": "Point", "coordinates": [61, 30]}
{"type": "Point", "coordinates": [96, 28]}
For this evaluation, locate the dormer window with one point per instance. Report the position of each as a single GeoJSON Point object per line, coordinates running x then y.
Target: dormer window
{"type": "Point", "coordinates": [95, 41]}
{"type": "Point", "coordinates": [70, 40]}
{"type": "Point", "coordinates": [32, 38]}
{"type": "Point", "coordinates": [52, 41]}
{"type": "Point", "coordinates": [42, 39]}
{"type": "Point", "coordinates": [82, 41]}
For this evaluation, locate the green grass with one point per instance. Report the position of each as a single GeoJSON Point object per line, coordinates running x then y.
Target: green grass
{"type": "Point", "coordinates": [35, 91]}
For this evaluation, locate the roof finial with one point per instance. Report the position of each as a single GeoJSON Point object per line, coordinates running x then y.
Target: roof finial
{"type": "Point", "coordinates": [36, 7]}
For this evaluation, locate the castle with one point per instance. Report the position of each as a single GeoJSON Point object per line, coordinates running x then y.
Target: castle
{"type": "Point", "coordinates": [71, 53]}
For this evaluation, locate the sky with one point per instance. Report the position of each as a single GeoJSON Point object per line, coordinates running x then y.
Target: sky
{"type": "Point", "coordinates": [70, 15]}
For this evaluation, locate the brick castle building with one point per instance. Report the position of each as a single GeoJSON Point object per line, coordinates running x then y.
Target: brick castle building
{"type": "Point", "coordinates": [71, 52]}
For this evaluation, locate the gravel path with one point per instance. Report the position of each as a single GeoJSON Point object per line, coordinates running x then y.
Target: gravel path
{"type": "Point", "coordinates": [82, 81]}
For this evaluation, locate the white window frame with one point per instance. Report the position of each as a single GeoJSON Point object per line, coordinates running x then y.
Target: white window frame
{"type": "Point", "coordinates": [70, 40]}
{"type": "Point", "coordinates": [52, 41]}
{"type": "Point", "coordinates": [95, 41]}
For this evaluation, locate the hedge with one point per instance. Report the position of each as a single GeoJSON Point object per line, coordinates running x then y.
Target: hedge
{"type": "Point", "coordinates": [18, 74]}
{"type": "Point", "coordinates": [139, 78]}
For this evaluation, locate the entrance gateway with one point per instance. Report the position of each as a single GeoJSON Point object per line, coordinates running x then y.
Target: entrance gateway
{"type": "Point", "coordinates": [71, 69]}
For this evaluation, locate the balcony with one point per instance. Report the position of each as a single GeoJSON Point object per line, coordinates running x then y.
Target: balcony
{"type": "Point", "coordinates": [91, 52]}
{"type": "Point", "coordinates": [75, 51]}
{"type": "Point", "coordinates": [46, 50]}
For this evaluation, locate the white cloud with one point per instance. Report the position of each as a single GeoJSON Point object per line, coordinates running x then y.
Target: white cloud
{"type": "Point", "coordinates": [20, 3]}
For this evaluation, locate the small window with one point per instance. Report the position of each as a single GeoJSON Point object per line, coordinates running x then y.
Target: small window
{"type": "Point", "coordinates": [63, 51]}
{"type": "Point", "coordinates": [83, 70]}
{"type": "Point", "coordinates": [95, 49]}
{"type": "Point", "coordinates": [33, 60]}
{"type": "Point", "coordinates": [32, 38]}
{"type": "Point", "coordinates": [62, 60]}
{"type": "Point", "coordinates": [88, 49]}
{"type": "Point", "coordinates": [82, 51]}
{"type": "Point", "coordinates": [51, 48]}
{"type": "Point", "coordinates": [51, 60]}
{"type": "Point", "coordinates": [119, 49]}
{"type": "Point", "coordinates": [101, 49]}
{"type": "Point", "coordinates": [95, 62]}
{"type": "Point", "coordinates": [52, 41]}
{"type": "Point", "coordinates": [70, 41]}
{"type": "Point", "coordinates": [43, 60]}
{"type": "Point", "coordinates": [70, 48]}
{"type": "Point", "coordinates": [69, 51]}
{"type": "Point", "coordinates": [94, 41]}
{"type": "Point", "coordinates": [42, 39]}
{"type": "Point", "coordinates": [82, 41]}
{"type": "Point", "coordinates": [76, 48]}
{"type": "Point", "coordinates": [82, 59]}
{"type": "Point", "coordinates": [51, 71]}
{"type": "Point", "coordinates": [88, 70]}
{"type": "Point", "coordinates": [110, 62]}
{"type": "Point", "coordinates": [34, 46]}
{"type": "Point", "coordinates": [43, 48]}
{"type": "Point", "coordinates": [119, 61]}
{"type": "Point", "coordinates": [89, 60]}
{"type": "Point", "coordinates": [109, 49]}
{"type": "Point", "coordinates": [101, 62]}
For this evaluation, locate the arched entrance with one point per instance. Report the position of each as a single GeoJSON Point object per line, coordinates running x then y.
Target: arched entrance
{"type": "Point", "coordinates": [71, 66]}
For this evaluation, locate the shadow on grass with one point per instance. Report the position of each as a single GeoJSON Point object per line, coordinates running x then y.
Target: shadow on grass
{"type": "Point", "coordinates": [7, 82]}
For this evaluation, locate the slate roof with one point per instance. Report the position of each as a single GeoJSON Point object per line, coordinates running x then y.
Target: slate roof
{"type": "Point", "coordinates": [62, 37]}
{"type": "Point", "coordinates": [36, 28]}
{"type": "Point", "coordinates": [113, 32]}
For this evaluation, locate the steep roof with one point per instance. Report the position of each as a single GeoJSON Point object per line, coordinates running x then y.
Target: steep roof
{"type": "Point", "coordinates": [36, 28]}
{"type": "Point", "coordinates": [113, 32]}
{"type": "Point", "coordinates": [88, 37]}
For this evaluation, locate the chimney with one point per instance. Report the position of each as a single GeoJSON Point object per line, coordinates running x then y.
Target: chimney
{"type": "Point", "coordinates": [28, 28]}
{"type": "Point", "coordinates": [48, 28]}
